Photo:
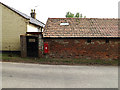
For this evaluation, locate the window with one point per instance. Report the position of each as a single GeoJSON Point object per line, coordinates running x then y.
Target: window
{"type": "Point", "coordinates": [107, 41]}
{"type": "Point", "coordinates": [64, 24]}
{"type": "Point", "coordinates": [89, 41]}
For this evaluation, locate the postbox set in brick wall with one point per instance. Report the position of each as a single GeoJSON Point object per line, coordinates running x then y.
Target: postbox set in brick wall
{"type": "Point", "coordinates": [83, 48]}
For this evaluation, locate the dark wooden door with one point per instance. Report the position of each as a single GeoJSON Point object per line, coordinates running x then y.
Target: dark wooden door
{"type": "Point", "coordinates": [32, 46]}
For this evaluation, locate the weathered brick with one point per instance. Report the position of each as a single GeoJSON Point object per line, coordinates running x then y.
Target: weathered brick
{"type": "Point", "coordinates": [79, 48]}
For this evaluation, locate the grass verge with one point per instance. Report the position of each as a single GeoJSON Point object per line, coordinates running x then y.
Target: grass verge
{"type": "Point", "coordinates": [16, 58]}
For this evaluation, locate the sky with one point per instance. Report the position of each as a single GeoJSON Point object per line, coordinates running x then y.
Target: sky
{"type": "Point", "coordinates": [57, 8]}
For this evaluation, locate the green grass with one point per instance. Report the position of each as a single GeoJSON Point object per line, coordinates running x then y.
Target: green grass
{"type": "Point", "coordinates": [16, 58]}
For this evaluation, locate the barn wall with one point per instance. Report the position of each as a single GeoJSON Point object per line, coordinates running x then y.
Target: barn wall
{"type": "Point", "coordinates": [80, 48]}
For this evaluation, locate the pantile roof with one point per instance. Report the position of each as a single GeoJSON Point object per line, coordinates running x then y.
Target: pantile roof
{"type": "Point", "coordinates": [81, 27]}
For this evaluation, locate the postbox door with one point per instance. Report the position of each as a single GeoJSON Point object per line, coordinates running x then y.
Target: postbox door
{"type": "Point", "coordinates": [45, 47]}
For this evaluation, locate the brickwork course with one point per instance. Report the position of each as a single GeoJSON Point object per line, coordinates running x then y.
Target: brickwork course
{"type": "Point", "coordinates": [84, 38]}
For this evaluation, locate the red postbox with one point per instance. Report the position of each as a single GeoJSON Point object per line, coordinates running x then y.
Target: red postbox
{"type": "Point", "coordinates": [45, 47]}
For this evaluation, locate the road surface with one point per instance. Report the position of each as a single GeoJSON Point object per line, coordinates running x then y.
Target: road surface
{"type": "Point", "coordinates": [19, 75]}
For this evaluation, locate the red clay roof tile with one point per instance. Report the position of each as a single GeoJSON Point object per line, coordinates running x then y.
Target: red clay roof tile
{"type": "Point", "coordinates": [81, 27]}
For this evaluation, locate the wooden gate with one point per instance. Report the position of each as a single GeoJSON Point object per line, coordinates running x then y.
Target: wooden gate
{"type": "Point", "coordinates": [32, 46]}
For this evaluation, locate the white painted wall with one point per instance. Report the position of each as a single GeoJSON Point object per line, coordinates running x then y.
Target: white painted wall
{"type": "Point", "coordinates": [31, 28]}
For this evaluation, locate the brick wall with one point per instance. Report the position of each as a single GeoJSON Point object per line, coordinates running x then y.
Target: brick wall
{"type": "Point", "coordinates": [80, 48]}
{"type": "Point", "coordinates": [40, 46]}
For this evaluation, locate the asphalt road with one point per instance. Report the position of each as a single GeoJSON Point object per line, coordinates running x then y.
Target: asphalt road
{"type": "Point", "coordinates": [19, 75]}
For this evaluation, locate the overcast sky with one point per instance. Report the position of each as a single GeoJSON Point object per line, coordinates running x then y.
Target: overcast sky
{"type": "Point", "coordinates": [58, 8]}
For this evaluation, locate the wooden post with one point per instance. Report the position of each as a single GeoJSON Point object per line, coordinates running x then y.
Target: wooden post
{"type": "Point", "coordinates": [23, 46]}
